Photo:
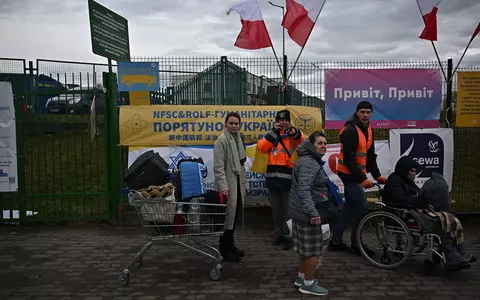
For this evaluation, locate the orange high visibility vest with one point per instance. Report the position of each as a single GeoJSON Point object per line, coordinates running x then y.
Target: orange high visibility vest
{"type": "Point", "coordinates": [360, 154]}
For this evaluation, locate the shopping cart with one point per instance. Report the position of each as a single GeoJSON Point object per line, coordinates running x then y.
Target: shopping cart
{"type": "Point", "coordinates": [165, 219]}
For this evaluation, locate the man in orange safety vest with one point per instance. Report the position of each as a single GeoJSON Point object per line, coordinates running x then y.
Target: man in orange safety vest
{"type": "Point", "coordinates": [357, 158]}
{"type": "Point", "coordinates": [280, 143]}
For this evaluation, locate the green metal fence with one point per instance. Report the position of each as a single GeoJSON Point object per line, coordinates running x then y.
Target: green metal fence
{"type": "Point", "coordinates": [257, 80]}
{"type": "Point", "coordinates": [62, 152]}
{"type": "Point", "coordinates": [64, 168]}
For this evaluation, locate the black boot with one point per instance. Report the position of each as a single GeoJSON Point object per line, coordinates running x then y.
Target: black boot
{"type": "Point", "coordinates": [455, 261]}
{"type": "Point", "coordinates": [227, 248]}
{"type": "Point", "coordinates": [230, 234]}
{"type": "Point", "coordinates": [239, 252]}
{"type": "Point", "coordinates": [470, 258]}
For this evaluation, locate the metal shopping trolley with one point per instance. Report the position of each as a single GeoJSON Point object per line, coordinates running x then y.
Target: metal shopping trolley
{"type": "Point", "coordinates": [165, 219]}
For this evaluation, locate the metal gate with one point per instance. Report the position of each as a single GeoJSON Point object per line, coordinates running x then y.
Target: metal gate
{"type": "Point", "coordinates": [62, 148]}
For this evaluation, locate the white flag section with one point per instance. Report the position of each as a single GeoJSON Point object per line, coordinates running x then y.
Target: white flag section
{"type": "Point", "coordinates": [432, 148]}
{"type": "Point", "coordinates": [256, 190]}
{"type": "Point", "coordinates": [254, 33]}
{"type": "Point", "coordinates": [8, 140]}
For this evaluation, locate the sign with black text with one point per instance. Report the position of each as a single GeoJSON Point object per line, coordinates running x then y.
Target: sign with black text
{"type": "Point", "coordinates": [432, 148]}
{"type": "Point", "coordinates": [109, 33]}
{"type": "Point", "coordinates": [8, 140]}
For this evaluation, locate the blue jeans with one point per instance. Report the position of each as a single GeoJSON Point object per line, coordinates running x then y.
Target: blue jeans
{"type": "Point", "coordinates": [354, 209]}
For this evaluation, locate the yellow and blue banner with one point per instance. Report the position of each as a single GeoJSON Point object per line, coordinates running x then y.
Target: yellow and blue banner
{"type": "Point", "coordinates": [138, 76]}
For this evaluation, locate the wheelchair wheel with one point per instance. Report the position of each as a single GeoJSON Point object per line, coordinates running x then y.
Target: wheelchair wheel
{"type": "Point", "coordinates": [393, 238]}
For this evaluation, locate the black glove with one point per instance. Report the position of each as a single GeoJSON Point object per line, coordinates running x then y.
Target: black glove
{"type": "Point", "coordinates": [276, 130]}
{"type": "Point", "coordinates": [292, 131]}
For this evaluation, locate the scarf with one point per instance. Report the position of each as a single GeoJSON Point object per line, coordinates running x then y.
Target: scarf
{"type": "Point", "coordinates": [237, 152]}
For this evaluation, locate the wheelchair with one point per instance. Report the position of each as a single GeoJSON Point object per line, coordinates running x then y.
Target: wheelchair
{"type": "Point", "coordinates": [401, 234]}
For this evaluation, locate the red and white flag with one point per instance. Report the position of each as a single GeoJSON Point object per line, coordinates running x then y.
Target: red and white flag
{"type": "Point", "coordinates": [429, 9]}
{"type": "Point", "coordinates": [476, 32]}
{"type": "Point", "coordinates": [254, 34]}
{"type": "Point", "coordinates": [300, 18]}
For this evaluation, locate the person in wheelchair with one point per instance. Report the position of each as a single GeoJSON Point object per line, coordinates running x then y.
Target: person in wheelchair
{"type": "Point", "coordinates": [435, 192]}
{"type": "Point", "coordinates": [400, 191]}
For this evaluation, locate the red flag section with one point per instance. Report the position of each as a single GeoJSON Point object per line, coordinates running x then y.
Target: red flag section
{"type": "Point", "coordinates": [254, 34]}
{"type": "Point", "coordinates": [476, 32]}
{"type": "Point", "coordinates": [429, 9]}
{"type": "Point", "coordinates": [300, 18]}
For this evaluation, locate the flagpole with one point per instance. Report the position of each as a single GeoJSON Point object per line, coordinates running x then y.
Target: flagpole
{"type": "Point", "coordinates": [284, 75]}
{"type": "Point", "coordinates": [461, 58]}
{"type": "Point", "coordinates": [433, 44]}
{"type": "Point", "coordinates": [275, 54]}
{"type": "Point", "coordinates": [301, 50]}
{"type": "Point", "coordinates": [271, 44]}
{"type": "Point", "coordinates": [266, 29]}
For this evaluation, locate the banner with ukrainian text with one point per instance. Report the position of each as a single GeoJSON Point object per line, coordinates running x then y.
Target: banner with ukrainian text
{"type": "Point", "coordinates": [401, 98]}
{"type": "Point", "coordinates": [180, 125]}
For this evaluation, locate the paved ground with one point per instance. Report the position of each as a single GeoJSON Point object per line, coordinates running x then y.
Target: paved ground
{"type": "Point", "coordinates": [85, 263]}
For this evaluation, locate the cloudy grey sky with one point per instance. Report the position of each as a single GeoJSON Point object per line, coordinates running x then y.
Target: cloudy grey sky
{"type": "Point", "coordinates": [346, 29]}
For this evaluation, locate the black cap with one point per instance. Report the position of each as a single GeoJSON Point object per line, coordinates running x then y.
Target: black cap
{"type": "Point", "coordinates": [283, 115]}
{"type": "Point", "coordinates": [364, 105]}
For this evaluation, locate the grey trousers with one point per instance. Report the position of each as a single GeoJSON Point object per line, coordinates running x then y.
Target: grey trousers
{"type": "Point", "coordinates": [279, 203]}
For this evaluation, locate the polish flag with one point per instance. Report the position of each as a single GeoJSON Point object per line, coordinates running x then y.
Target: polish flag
{"type": "Point", "coordinates": [254, 34]}
{"type": "Point", "coordinates": [429, 9]}
{"type": "Point", "coordinates": [300, 18]}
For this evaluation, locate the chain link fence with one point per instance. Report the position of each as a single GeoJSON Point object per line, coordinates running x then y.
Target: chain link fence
{"type": "Point", "coordinates": [65, 170]}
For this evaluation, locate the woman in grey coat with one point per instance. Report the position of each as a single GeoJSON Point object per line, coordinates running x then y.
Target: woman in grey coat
{"type": "Point", "coordinates": [309, 188]}
{"type": "Point", "coordinates": [229, 171]}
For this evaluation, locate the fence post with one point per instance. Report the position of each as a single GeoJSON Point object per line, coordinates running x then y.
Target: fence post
{"type": "Point", "coordinates": [111, 141]}
{"type": "Point", "coordinates": [18, 105]}
{"type": "Point", "coordinates": [223, 66]}
{"type": "Point", "coordinates": [243, 88]}
{"type": "Point", "coordinates": [448, 106]}
{"type": "Point", "coordinates": [285, 63]}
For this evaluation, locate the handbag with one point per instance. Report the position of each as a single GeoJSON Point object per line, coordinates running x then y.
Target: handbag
{"type": "Point", "coordinates": [333, 190]}
{"type": "Point", "coordinates": [327, 210]}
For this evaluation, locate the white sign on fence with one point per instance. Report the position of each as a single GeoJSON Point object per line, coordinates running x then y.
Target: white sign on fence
{"type": "Point", "coordinates": [432, 148]}
{"type": "Point", "coordinates": [256, 189]}
{"type": "Point", "coordinates": [8, 140]}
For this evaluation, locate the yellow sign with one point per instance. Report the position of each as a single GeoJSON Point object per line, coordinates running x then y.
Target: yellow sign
{"type": "Point", "coordinates": [139, 97]}
{"type": "Point", "coordinates": [468, 99]}
{"type": "Point", "coordinates": [130, 80]}
{"type": "Point", "coordinates": [169, 125]}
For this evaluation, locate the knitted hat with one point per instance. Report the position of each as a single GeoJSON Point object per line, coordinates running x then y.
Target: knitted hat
{"type": "Point", "coordinates": [364, 105]}
{"type": "Point", "coordinates": [283, 115]}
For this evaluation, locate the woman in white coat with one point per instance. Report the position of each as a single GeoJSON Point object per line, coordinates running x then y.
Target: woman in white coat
{"type": "Point", "coordinates": [228, 164]}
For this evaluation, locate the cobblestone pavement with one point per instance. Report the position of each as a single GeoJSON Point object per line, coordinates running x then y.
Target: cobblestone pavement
{"type": "Point", "coordinates": [85, 263]}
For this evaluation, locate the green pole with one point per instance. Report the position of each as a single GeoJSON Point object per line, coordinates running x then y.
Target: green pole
{"type": "Point", "coordinates": [111, 142]}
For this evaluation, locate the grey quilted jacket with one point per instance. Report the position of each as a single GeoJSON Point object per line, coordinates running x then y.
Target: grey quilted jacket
{"type": "Point", "coordinates": [309, 184]}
